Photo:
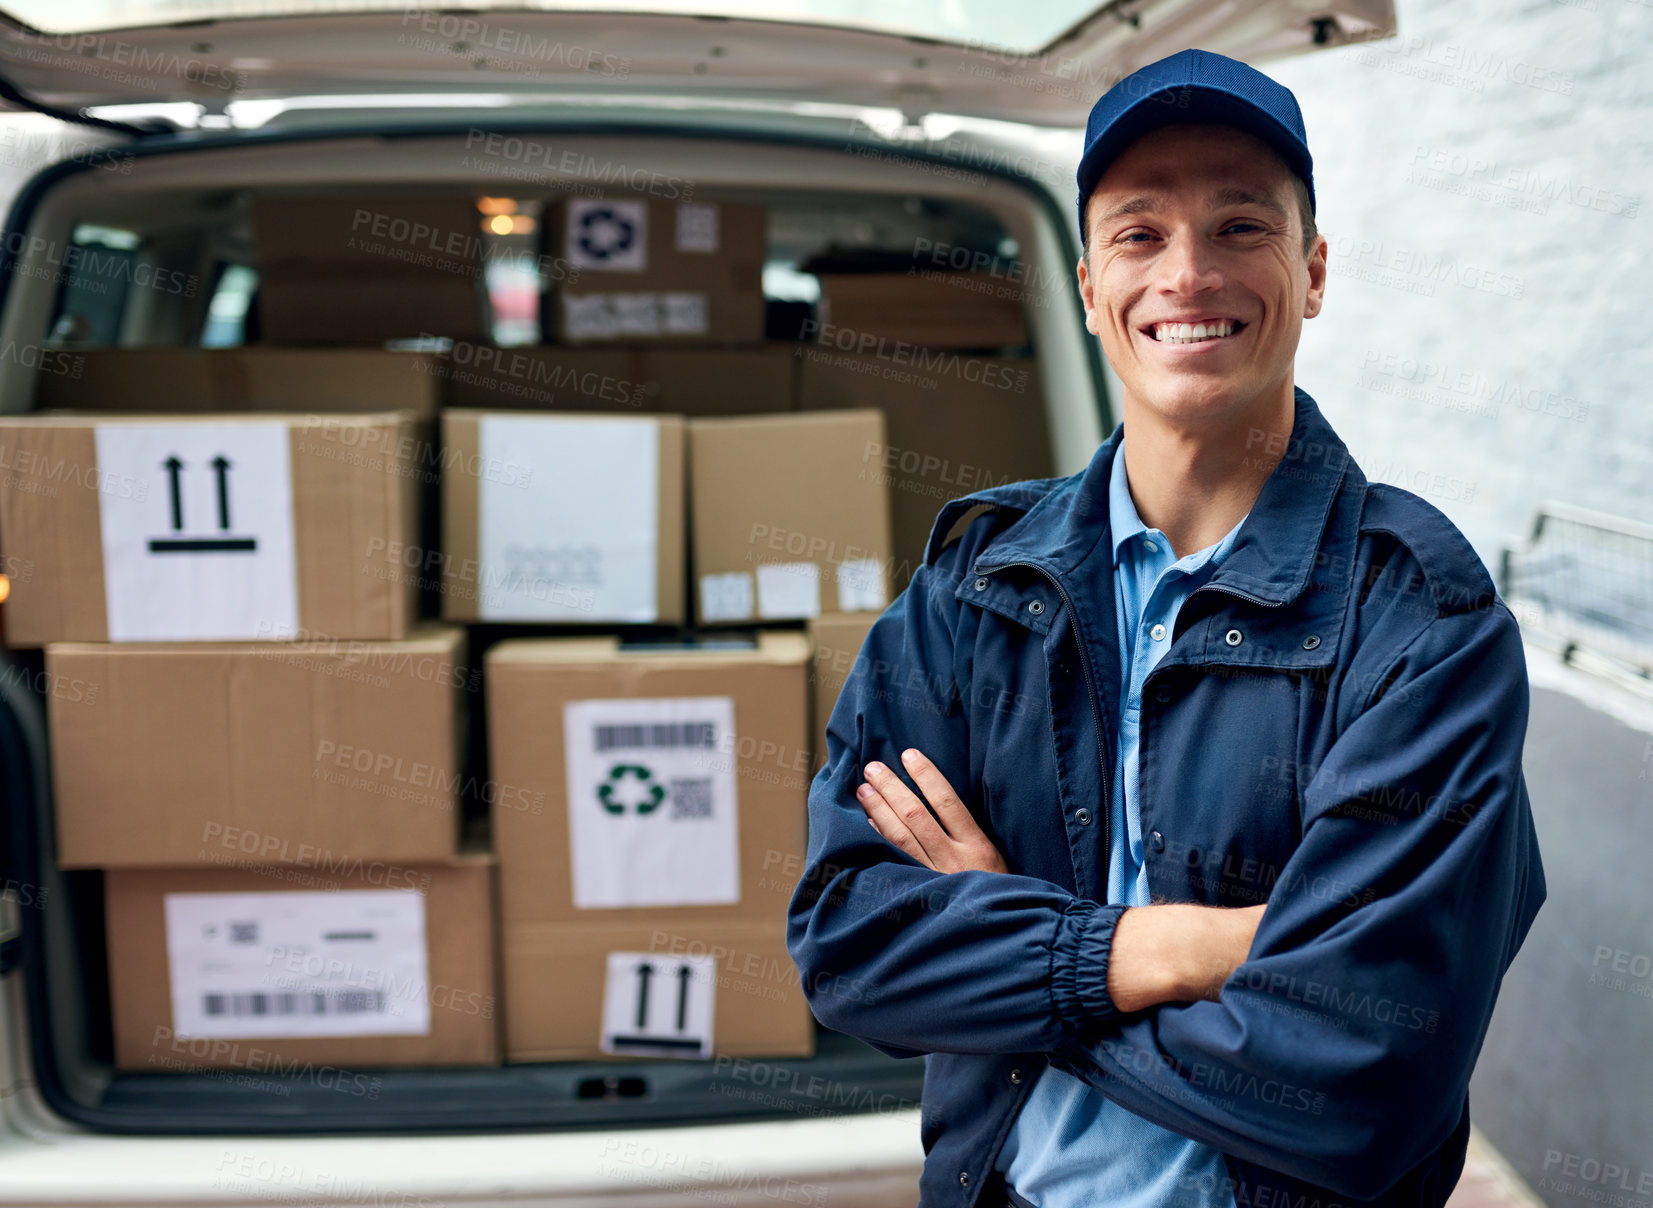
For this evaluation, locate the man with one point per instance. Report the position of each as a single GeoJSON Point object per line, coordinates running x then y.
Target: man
{"type": "Point", "coordinates": [1212, 843]}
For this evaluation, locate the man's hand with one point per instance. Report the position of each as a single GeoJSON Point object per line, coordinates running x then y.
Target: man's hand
{"type": "Point", "coordinates": [953, 844]}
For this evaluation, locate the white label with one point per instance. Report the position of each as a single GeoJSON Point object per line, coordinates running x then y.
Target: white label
{"type": "Point", "coordinates": [608, 235]}
{"type": "Point", "coordinates": [658, 1006]}
{"type": "Point", "coordinates": [197, 524]}
{"type": "Point", "coordinates": [610, 315]}
{"type": "Point", "coordinates": [686, 314]}
{"type": "Point", "coordinates": [340, 963]}
{"type": "Point", "coordinates": [651, 802]}
{"type": "Point", "coordinates": [696, 228]}
{"type": "Point", "coordinates": [575, 537]}
{"type": "Point", "coordinates": [726, 597]}
{"type": "Point", "coordinates": [861, 585]}
{"type": "Point", "coordinates": [787, 590]}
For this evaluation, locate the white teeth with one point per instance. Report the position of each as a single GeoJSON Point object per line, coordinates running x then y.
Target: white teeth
{"type": "Point", "coordinates": [1188, 333]}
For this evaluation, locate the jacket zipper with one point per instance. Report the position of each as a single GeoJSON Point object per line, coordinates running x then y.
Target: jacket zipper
{"type": "Point", "coordinates": [1106, 810]}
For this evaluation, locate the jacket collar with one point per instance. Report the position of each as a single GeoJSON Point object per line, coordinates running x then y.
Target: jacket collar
{"type": "Point", "coordinates": [1273, 555]}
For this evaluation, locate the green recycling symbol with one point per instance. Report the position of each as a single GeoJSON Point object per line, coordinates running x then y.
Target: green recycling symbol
{"type": "Point", "coordinates": [645, 778]}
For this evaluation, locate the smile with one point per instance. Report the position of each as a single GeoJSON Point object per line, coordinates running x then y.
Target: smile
{"type": "Point", "coordinates": [1193, 333]}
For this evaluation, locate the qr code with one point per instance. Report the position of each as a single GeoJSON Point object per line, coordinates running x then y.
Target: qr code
{"type": "Point", "coordinates": [691, 798]}
{"type": "Point", "coordinates": [244, 933]}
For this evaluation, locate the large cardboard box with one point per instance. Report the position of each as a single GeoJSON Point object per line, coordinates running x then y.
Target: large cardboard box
{"type": "Point", "coordinates": [927, 307]}
{"type": "Point", "coordinates": [247, 379]}
{"type": "Point", "coordinates": [197, 528]}
{"type": "Point", "coordinates": [185, 754]}
{"type": "Point", "coordinates": [630, 380]}
{"type": "Point", "coordinates": [675, 783]}
{"type": "Point", "coordinates": [837, 638]}
{"type": "Point", "coordinates": [956, 424]}
{"type": "Point", "coordinates": [369, 269]}
{"type": "Point", "coordinates": [319, 977]}
{"type": "Point", "coordinates": [568, 518]}
{"type": "Point", "coordinates": [788, 519]}
{"type": "Point", "coordinates": [647, 269]}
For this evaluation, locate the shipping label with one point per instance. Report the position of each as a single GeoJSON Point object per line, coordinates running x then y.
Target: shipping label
{"type": "Point", "coordinates": [652, 810]}
{"type": "Point", "coordinates": [298, 964]}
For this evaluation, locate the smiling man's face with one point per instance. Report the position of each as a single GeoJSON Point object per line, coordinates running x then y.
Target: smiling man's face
{"type": "Point", "coordinates": [1196, 278]}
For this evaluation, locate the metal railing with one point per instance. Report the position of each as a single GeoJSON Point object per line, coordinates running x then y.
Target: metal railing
{"type": "Point", "coordinates": [1585, 579]}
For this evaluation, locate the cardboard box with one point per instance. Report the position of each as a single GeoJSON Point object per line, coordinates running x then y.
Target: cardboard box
{"type": "Point", "coordinates": [927, 307]}
{"type": "Point", "coordinates": [630, 380]}
{"type": "Point", "coordinates": [173, 755]}
{"type": "Point", "coordinates": [196, 528]}
{"type": "Point", "coordinates": [247, 379]}
{"type": "Point", "coordinates": [956, 424]}
{"type": "Point", "coordinates": [675, 785]}
{"type": "Point", "coordinates": [647, 269]}
{"type": "Point", "coordinates": [265, 983]}
{"type": "Point", "coordinates": [837, 638]}
{"type": "Point", "coordinates": [369, 269]}
{"type": "Point", "coordinates": [572, 518]}
{"type": "Point", "coordinates": [559, 985]}
{"type": "Point", "coordinates": [789, 516]}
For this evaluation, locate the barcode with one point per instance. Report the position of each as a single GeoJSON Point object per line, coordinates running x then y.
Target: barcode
{"type": "Point", "coordinates": [329, 1002]}
{"type": "Point", "coordinates": [657, 734]}
{"type": "Point", "coordinates": [691, 798]}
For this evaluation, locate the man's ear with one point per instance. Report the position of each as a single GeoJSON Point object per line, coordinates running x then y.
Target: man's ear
{"type": "Point", "coordinates": [1316, 296]}
{"type": "Point", "coordinates": [1087, 294]}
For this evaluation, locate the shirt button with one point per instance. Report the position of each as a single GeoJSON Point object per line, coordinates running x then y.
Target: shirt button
{"type": "Point", "coordinates": [1157, 633]}
{"type": "Point", "coordinates": [964, 1178]}
{"type": "Point", "coordinates": [1016, 1077]}
{"type": "Point", "coordinates": [1310, 642]}
{"type": "Point", "coordinates": [1158, 840]}
{"type": "Point", "coordinates": [1035, 606]}
{"type": "Point", "coordinates": [981, 584]}
{"type": "Point", "coordinates": [1083, 815]}
{"type": "Point", "coordinates": [1150, 547]}
{"type": "Point", "coordinates": [1162, 693]}
{"type": "Point", "coordinates": [1233, 637]}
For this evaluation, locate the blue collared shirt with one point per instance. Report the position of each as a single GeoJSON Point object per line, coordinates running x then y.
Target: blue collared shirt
{"type": "Point", "coordinates": [1072, 1147]}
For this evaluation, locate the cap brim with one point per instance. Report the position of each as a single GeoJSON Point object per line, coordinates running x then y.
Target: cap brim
{"type": "Point", "coordinates": [1183, 104]}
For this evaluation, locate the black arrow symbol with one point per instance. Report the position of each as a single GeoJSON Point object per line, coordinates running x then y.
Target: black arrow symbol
{"type": "Point", "coordinates": [222, 465]}
{"type": "Point", "coordinates": [173, 465]}
{"type": "Point", "coordinates": [643, 973]}
{"type": "Point", "coordinates": [684, 973]}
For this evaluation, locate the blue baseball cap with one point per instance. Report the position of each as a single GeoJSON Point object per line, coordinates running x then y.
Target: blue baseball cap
{"type": "Point", "coordinates": [1193, 86]}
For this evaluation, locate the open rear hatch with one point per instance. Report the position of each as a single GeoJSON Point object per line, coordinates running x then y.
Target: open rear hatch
{"type": "Point", "coordinates": [977, 58]}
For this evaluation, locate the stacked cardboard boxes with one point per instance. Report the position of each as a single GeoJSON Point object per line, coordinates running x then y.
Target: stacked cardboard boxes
{"type": "Point", "coordinates": [261, 747]}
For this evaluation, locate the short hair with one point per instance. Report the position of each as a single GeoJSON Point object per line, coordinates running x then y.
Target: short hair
{"type": "Point", "coordinates": [1305, 211]}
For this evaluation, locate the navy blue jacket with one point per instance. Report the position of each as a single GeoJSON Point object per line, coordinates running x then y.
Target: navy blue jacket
{"type": "Point", "coordinates": [1336, 731]}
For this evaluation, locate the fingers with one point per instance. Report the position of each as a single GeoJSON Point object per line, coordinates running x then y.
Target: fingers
{"type": "Point", "coordinates": [907, 807]}
{"type": "Point", "coordinates": [954, 815]}
{"type": "Point", "coordinates": [888, 824]}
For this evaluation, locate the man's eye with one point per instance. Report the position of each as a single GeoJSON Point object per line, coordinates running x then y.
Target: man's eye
{"type": "Point", "coordinates": [1134, 237]}
{"type": "Point", "coordinates": [1243, 228]}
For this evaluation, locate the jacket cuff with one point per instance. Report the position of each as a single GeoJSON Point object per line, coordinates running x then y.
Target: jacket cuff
{"type": "Point", "coordinates": [1079, 965]}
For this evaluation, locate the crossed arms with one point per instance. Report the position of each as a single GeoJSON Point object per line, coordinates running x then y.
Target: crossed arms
{"type": "Point", "coordinates": [1175, 952]}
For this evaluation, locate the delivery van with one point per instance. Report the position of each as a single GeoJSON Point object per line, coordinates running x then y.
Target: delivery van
{"type": "Point", "coordinates": [365, 259]}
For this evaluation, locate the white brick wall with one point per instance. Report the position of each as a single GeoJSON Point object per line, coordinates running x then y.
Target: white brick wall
{"type": "Point", "coordinates": [1485, 180]}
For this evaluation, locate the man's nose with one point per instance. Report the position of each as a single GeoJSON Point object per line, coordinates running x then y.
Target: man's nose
{"type": "Point", "coordinates": [1188, 266]}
